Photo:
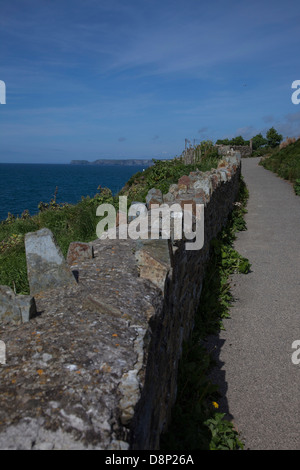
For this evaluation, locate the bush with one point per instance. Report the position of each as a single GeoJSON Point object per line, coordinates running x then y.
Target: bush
{"type": "Point", "coordinates": [285, 162]}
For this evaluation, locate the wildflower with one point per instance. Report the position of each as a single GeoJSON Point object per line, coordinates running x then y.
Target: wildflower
{"type": "Point", "coordinates": [215, 404]}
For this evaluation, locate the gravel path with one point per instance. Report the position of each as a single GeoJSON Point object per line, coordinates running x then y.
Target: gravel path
{"type": "Point", "coordinates": [261, 385]}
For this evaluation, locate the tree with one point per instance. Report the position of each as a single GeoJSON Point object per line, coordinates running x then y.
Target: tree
{"type": "Point", "coordinates": [238, 141]}
{"type": "Point", "coordinates": [223, 142]}
{"type": "Point", "coordinates": [273, 137]}
{"type": "Point", "coordinates": [258, 141]}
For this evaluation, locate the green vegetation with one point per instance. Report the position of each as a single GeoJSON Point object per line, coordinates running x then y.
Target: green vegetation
{"type": "Point", "coordinates": [297, 187]}
{"type": "Point", "coordinates": [205, 151]}
{"type": "Point", "coordinates": [196, 423]}
{"type": "Point", "coordinates": [239, 140]}
{"type": "Point", "coordinates": [258, 141]}
{"type": "Point", "coordinates": [285, 161]}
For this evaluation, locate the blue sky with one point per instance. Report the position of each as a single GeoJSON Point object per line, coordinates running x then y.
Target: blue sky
{"type": "Point", "coordinates": [88, 79]}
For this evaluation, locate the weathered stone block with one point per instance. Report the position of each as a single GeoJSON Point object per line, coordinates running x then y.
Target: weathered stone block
{"type": "Point", "coordinates": [15, 308]}
{"type": "Point", "coordinates": [153, 258]}
{"type": "Point", "coordinates": [205, 184]}
{"type": "Point", "coordinates": [79, 251]}
{"type": "Point", "coordinates": [154, 196]}
{"type": "Point", "coordinates": [173, 189]}
{"type": "Point", "coordinates": [184, 182]}
{"type": "Point", "coordinates": [46, 265]}
{"type": "Point", "coordinates": [223, 175]}
{"type": "Point", "coordinates": [222, 163]}
{"type": "Point", "coordinates": [169, 198]}
{"type": "Point", "coordinates": [215, 181]}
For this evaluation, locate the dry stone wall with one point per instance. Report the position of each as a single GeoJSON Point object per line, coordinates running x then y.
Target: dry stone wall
{"type": "Point", "coordinates": [96, 366]}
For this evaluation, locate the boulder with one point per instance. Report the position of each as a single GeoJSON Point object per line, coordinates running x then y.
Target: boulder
{"type": "Point", "coordinates": [154, 196]}
{"type": "Point", "coordinates": [46, 265]}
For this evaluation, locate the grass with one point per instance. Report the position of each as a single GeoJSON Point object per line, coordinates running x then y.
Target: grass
{"type": "Point", "coordinates": [196, 422]}
{"type": "Point", "coordinates": [285, 162]}
{"type": "Point", "coordinates": [67, 222]}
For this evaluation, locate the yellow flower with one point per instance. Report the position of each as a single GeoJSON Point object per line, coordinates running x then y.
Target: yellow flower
{"type": "Point", "coordinates": [215, 404]}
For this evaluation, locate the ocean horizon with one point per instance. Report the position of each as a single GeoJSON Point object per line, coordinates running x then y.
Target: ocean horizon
{"type": "Point", "coordinates": [24, 185]}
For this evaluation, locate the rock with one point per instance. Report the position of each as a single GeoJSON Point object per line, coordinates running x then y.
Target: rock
{"type": "Point", "coordinates": [154, 196]}
{"type": "Point", "coordinates": [222, 163]}
{"type": "Point", "coordinates": [204, 184]}
{"type": "Point", "coordinates": [184, 183]}
{"type": "Point", "coordinates": [129, 388]}
{"type": "Point", "coordinates": [215, 179]}
{"type": "Point", "coordinates": [169, 198]}
{"type": "Point", "coordinates": [173, 189]}
{"type": "Point", "coordinates": [79, 251]}
{"type": "Point", "coordinates": [223, 175]}
{"type": "Point", "coordinates": [46, 265]}
{"type": "Point", "coordinates": [15, 308]}
{"type": "Point", "coordinates": [153, 259]}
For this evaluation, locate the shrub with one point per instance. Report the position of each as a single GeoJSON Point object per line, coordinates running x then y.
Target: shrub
{"type": "Point", "coordinates": [285, 162]}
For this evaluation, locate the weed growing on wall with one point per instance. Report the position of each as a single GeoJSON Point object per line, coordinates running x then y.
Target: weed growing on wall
{"type": "Point", "coordinates": [196, 422]}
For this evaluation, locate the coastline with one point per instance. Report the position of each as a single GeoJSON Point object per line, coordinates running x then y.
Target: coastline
{"type": "Point", "coordinates": [125, 162]}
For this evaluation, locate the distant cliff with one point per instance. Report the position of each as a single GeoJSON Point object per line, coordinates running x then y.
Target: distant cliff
{"type": "Point", "coordinates": [128, 162]}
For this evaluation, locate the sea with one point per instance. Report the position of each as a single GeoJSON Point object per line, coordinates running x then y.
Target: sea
{"type": "Point", "coordinates": [24, 186]}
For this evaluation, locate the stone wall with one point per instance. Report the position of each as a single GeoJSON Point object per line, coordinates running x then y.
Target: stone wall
{"type": "Point", "coordinates": [244, 150]}
{"type": "Point", "coordinates": [96, 367]}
